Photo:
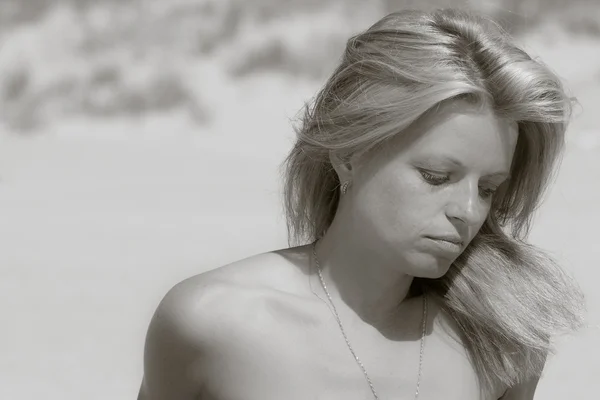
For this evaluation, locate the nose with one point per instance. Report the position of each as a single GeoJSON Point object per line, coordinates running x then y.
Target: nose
{"type": "Point", "coordinates": [464, 204]}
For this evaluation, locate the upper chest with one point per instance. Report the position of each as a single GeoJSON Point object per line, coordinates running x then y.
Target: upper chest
{"type": "Point", "coordinates": [277, 347]}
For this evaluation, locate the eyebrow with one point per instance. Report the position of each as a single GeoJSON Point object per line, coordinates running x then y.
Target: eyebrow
{"type": "Point", "coordinates": [457, 163]}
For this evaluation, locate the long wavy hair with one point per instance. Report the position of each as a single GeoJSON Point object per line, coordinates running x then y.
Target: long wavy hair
{"type": "Point", "coordinates": [508, 298]}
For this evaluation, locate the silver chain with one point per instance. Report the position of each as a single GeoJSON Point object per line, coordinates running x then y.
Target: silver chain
{"type": "Point", "coordinates": [337, 317]}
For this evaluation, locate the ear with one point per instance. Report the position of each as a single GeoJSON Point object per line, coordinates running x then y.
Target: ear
{"type": "Point", "coordinates": [341, 166]}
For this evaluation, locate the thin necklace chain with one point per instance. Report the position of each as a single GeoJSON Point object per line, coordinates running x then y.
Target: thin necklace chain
{"type": "Point", "coordinates": [337, 317]}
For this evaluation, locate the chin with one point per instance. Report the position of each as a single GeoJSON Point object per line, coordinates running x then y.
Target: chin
{"type": "Point", "coordinates": [432, 270]}
{"type": "Point", "coordinates": [433, 274]}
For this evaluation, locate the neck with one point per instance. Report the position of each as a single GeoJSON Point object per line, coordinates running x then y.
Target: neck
{"type": "Point", "coordinates": [359, 277]}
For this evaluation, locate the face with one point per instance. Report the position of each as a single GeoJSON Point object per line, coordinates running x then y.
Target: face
{"type": "Point", "coordinates": [425, 196]}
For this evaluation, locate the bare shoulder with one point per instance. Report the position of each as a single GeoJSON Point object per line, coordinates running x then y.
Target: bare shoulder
{"type": "Point", "coordinates": [189, 322]}
{"type": "Point", "coordinates": [282, 269]}
{"type": "Point", "coordinates": [522, 391]}
{"type": "Point", "coordinates": [192, 305]}
{"type": "Point", "coordinates": [177, 339]}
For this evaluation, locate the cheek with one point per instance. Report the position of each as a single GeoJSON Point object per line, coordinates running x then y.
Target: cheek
{"type": "Point", "coordinates": [474, 229]}
{"type": "Point", "coordinates": [485, 212]}
{"type": "Point", "coordinates": [399, 201]}
{"type": "Point", "coordinates": [395, 192]}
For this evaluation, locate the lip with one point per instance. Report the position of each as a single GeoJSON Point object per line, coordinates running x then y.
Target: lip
{"type": "Point", "coordinates": [445, 247]}
{"type": "Point", "coordinates": [447, 238]}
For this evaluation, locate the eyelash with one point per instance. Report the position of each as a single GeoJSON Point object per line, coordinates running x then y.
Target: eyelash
{"type": "Point", "coordinates": [434, 179]}
{"type": "Point", "coordinates": [440, 180]}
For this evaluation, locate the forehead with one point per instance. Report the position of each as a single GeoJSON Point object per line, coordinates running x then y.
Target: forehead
{"type": "Point", "coordinates": [469, 134]}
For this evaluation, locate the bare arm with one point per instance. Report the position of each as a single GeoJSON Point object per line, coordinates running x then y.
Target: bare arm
{"type": "Point", "coordinates": [172, 348]}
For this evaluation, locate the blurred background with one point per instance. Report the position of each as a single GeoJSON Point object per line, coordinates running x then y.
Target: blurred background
{"type": "Point", "coordinates": [140, 143]}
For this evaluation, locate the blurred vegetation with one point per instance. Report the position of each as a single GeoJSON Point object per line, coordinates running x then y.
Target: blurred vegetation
{"type": "Point", "coordinates": [111, 58]}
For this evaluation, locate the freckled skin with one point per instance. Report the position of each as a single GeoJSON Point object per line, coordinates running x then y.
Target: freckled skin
{"type": "Point", "coordinates": [262, 332]}
{"type": "Point", "coordinates": [396, 204]}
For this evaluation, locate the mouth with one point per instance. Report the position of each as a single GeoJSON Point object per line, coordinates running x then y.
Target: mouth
{"type": "Point", "coordinates": [445, 247]}
{"type": "Point", "coordinates": [453, 240]}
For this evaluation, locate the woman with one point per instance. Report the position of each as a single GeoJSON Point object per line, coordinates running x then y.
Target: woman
{"type": "Point", "coordinates": [414, 180]}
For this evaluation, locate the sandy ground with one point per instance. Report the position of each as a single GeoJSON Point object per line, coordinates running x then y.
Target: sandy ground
{"type": "Point", "coordinates": [99, 219]}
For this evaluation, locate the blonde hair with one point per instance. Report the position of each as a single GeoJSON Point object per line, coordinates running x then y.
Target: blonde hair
{"type": "Point", "coordinates": [508, 298]}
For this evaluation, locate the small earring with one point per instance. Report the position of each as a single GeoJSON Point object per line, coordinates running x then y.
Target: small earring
{"type": "Point", "coordinates": [345, 187]}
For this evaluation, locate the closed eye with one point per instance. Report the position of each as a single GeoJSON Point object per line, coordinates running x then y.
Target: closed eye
{"type": "Point", "coordinates": [437, 180]}
{"type": "Point", "coordinates": [486, 193]}
{"type": "Point", "coordinates": [434, 179]}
